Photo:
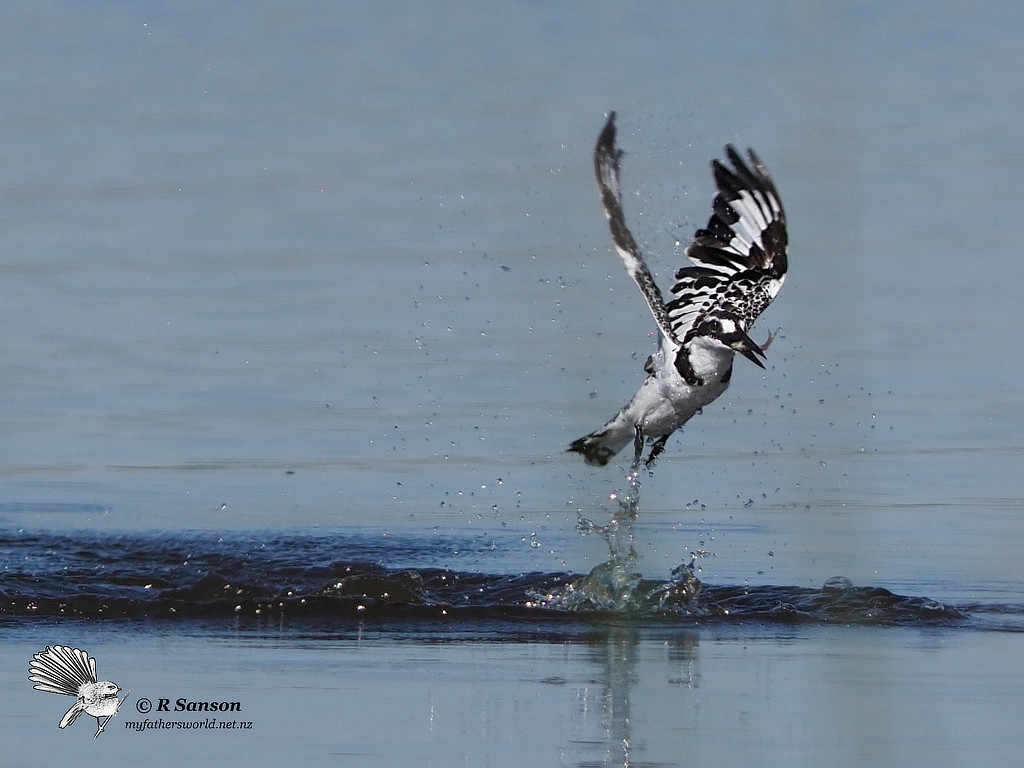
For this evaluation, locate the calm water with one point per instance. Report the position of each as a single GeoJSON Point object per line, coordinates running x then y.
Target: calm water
{"type": "Point", "coordinates": [304, 302]}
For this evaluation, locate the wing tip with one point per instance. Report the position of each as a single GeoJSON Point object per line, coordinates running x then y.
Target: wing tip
{"type": "Point", "coordinates": [606, 140]}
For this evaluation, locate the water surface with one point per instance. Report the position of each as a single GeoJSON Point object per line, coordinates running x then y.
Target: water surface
{"type": "Point", "coordinates": [294, 289]}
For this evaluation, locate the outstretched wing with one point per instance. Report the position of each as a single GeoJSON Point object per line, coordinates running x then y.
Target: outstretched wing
{"type": "Point", "coordinates": [606, 168]}
{"type": "Point", "coordinates": [740, 257]}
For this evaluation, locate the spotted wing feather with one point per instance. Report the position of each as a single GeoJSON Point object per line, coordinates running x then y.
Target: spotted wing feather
{"type": "Point", "coordinates": [740, 257]}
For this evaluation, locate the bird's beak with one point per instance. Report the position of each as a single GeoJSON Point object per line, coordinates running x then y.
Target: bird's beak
{"type": "Point", "coordinates": [746, 347]}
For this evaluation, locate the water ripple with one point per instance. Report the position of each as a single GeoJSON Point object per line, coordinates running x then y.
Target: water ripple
{"type": "Point", "coordinates": [310, 580]}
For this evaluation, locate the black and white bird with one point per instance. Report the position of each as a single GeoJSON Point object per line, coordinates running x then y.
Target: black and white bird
{"type": "Point", "coordinates": [72, 672]}
{"type": "Point", "coordinates": [738, 266]}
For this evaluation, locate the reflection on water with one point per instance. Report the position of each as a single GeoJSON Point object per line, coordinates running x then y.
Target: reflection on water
{"type": "Point", "coordinates": [604, 709]}
{"type": "Point", "coordinates": [614, 655]}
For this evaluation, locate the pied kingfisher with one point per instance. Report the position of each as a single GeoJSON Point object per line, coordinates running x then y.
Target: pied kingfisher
{"type": "Point", "coordinates": [739, 265]}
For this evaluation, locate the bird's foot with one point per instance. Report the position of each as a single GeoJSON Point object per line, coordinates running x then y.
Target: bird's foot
{"type": "Point", "coordinates": [656, 449]}
{"type": "Point", "coordinates": [638, 446]}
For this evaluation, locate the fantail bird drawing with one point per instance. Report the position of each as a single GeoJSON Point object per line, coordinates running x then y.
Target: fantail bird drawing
{"type": "Point", "coordinates": [72, 672]}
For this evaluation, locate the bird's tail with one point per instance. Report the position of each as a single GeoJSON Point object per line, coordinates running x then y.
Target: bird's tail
{"type": "Point", "coordinates": [72, 714]}
{"type": "Point", "coordinates": [598, 447]}
{"type": "Point", "coordinates": [61, 669]}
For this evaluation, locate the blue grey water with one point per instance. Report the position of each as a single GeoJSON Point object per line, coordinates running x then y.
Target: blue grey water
{"type": "Point", "coordinates": [328, 278]}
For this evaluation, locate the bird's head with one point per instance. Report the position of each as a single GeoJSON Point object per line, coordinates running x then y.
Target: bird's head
{"type": "Point", "coordinates": [727, 331]}
{"type": "Point", "coordinates": [96, 692]}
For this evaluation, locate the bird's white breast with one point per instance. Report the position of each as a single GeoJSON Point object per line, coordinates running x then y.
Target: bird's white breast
{"type": "Point", "coordinates": [666, 401]}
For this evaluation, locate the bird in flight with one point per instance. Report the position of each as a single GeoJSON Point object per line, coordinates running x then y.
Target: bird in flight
{"type": "Point", "coordinates": [738, 266]}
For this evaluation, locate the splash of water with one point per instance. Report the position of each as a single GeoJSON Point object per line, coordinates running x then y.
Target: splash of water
{"type": "Point", "coordinates": [318, 584]}
{"type": "Point", "coordinates": [616, 585]}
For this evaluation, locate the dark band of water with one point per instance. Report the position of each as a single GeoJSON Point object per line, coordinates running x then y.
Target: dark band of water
{"type": "Point", "coordinates": [309, 580]}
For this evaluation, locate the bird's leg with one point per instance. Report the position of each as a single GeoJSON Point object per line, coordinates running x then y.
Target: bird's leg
{"type": "Point", "coordinates": [638, 446]}
{"type": "Point", "coordinates": [656, 449]}
{"type": "Point", "coordinates": [101, 725]}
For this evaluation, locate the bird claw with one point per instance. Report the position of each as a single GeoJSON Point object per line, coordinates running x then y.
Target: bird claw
{"type": "Point", "coordinates": [656, 449]}
{"type": "Point", "coordinates": [638, 446]}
